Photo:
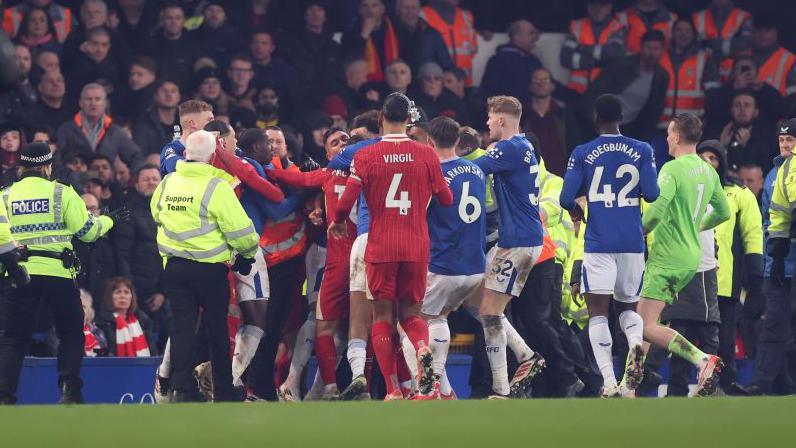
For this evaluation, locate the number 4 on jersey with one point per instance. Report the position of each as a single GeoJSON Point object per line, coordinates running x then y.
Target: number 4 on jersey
{"type": "Point", "coordinates": [607, 196]}
{"type": "Point", "coordinates": [398, 199]}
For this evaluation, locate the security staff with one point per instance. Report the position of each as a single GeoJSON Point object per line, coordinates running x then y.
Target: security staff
{"type": "Point", "coordinates": [200, 221]}
{"type": "Point", "coordinates": [739, 244]}
{"type": "Point", "coordinates": [775, 328]}
{"type": "Point", "coordinates": [44, 216]}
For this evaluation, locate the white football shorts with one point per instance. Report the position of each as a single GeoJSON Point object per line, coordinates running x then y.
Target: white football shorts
{"type": "Point", "coordinates": [619, 274]}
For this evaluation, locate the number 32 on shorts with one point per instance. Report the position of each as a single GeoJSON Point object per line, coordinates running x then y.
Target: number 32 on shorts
{"type": "Point", "coordinates": [502, 268]}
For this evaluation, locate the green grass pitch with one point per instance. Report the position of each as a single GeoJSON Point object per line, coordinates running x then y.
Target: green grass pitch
{"type": "Point", "coordinates": [584, 423]}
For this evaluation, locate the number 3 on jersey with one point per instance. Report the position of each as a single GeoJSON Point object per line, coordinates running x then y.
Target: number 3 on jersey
{"type": "Point", "coordinates": [398, 199]}
{"type": "Point", "coordinates": [607, 196]}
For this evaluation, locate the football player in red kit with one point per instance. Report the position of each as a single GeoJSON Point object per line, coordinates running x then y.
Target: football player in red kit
{"type": "Point", "coordinates": [398, 177]}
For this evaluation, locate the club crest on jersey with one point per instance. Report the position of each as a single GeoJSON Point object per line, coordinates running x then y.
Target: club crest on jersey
{"type": "Point", "coordinates": [30, 206]}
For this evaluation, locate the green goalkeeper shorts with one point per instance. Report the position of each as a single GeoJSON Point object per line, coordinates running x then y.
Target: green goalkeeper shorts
{"type": "Point", "coordinates": [664, 283]}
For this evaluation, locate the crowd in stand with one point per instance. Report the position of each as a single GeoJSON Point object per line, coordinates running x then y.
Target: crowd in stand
{"type": "Point", "coordinates": [102, 80]}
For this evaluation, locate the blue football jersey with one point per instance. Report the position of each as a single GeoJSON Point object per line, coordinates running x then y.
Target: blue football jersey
{"type": "Point", "coordinates": [613, 172]}
{"type": "Point", "coordinates": [342, 161]}
{"type": "Point", "coordinates": [515, 174]}
{"type": "Point", "coordinates": [457, 232]}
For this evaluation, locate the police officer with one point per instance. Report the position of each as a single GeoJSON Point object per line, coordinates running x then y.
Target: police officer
{"type": "Point", "coordinates": [44, 216]}
{"type": "Point", "coordinates": [775, 329]}
{"type": "Point", "coordinates": [200, 221]}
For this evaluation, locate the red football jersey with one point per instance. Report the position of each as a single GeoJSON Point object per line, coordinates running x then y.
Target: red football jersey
{"type": "Point", "coordinates": [333, 184]}
{"type": "Point", "coordinates": [398, 177]}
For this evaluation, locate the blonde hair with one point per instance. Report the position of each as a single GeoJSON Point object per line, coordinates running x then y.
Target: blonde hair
{"type": "Point", "coordinates": [88, 301]}
{"type": "Point", "coordinates": [503, 104]}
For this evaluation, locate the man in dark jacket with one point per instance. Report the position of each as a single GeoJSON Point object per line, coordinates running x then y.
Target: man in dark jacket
{"type": "Point", "coordinates": [639, 81]}
{"type": "Point", "coordinates": [417, 41]}
{"type": "Point", "coordinates": [434, 98]}
{"type": "Point", "coordinates": [50, 109]}
{"type": "Point", "coordinates": [137, 249]}
{"type": "Point", "coordinates": [509, 70]}
{"type": "Point", "coordinates": [216, 36]}
{"type": "Point", "coordinates": [174, 50]}
{"type": "Point", "coordinates": [156, 128]}
{"type": "Point", "coordinates": [95, 63]}
{"type": "Point", "coordinates": [273, 71]}
{"type": "Point", "coordinates": [97, 259]}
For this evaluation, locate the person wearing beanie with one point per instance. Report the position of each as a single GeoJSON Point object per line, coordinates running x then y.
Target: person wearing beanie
{"type": "Point", "coordinates": [200, 222]}
{"type": "Point", "coordinates": [44, 216]}
{"type": "Point", "coordinates": [780, 255]}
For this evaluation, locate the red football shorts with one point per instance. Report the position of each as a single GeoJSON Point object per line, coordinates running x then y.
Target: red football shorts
{"type": "Point", "coordinates": [333, 296]}
{"type": "Point", "coordinates": [401, 280]}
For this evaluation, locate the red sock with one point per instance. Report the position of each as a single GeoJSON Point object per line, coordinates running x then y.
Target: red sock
{"type": "Point", "coordinates": [369, 360]}
{"type": "Point", "coordinates": [404, 374]}
{"type": "Point", "coordinates": [327, 358]}
{"type": "Point", "coordinates": [416, 330]}
{"type": "Point", "coordinates": [385, 353]}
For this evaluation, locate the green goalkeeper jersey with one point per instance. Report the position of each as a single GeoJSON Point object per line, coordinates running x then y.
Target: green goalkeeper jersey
{"type": "Point", "coordinates": [688, 184]}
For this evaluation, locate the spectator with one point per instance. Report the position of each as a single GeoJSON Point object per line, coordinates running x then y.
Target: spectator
{"type": "Point", "coordinates": [398, 76]}
{"type": "Point", "coordinates": [592, 43]}
{"type": "Point", "coordinates": [373, 38]}
{"type": "Point", "coordinates": [173, 49]}
{"type": "Point", "coordinates": [11, 140]}
{"type": "Point", "coordinates": [137, 249]}
{"type": "Point", "coordinates": [335, 108]}
{"type": "Point", "coordinates": [94, 64]}
{"type": "Point", "coordinates": [549, 122]}
{"type": "Point", "coordinates": [777, 66]}
{"type": "Point", "coordinates": [358, 94]}
{"type": "Point", "coordinates": [97, 260]}
{"type": "Point", "coordinates": [48, 61]}
{"type": "Point", "coordinates": [103, 166]}
{"type": "Point", "coordinates": [215, 36]}
{"type": "Point", "coordinates": [137, 18]}
{"type": "Point", "coordinates": [60, 17]}
{"type": "Point", "coordinates": [691, 72]}
{"type": "Point", "coordinates": [434, 98]}
{"type": "Point", "coordinates": [121, 174]}
{"type": "Point", "coordinates": [37, 32]}
{"type": "Point", "coordinates": [137, 96]}
{"type": "Point", "coordinates": [94, 14]}
{"type": "Point", "coordinates": [644, 16]}
{"type": "Point", "coordinates": [95, 342]}
{"type": "Point", "coordinates": [24, 93]}
{"type": "Point", "coordinates": [457, 29]}
{"type": "Point", "coordinates": [50, 109]}
{"type": "Point", "coordinates": [266, 104]}
{"type": "Point", "coordinates": [128, 330]}
{"type": "Point", "coordinates": [748, 137]}
{"type": "Point", "coordinates": [726, 30]}
{"type": "Point", "coordinates": [752, 177]}
{"type": "Point", "coordinates": [718, 102]}
{"type": "Point", "coordinates": [640, 82]}
{"type": "Point", "coordinates": [508, 71]}
{"type": "Point", "coordinates": [240, 74]}
{"type": "Point", "coordinates": [316, 56]}
{"type": "Point", "coordinates": [455, 80]}
{"type": "Point", "coordinates": [93, 129]}
{"type": "Point", "coordinates": [315, 126]}
{"type": "Point", "coordinates": [417, 40]}
{"type": "Point", "coordinates": [156, 128]}
{"type": "Point", "coordinates": [273, 71]}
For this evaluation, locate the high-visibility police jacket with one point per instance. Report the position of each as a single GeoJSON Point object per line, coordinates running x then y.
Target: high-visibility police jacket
{"type": "Point", "coordinates": [686, 89]}
{"type": "Point", "coordinates": [776, 70]}
{"type": "Point", "coordinates": [765, 204]}
{"type": "Point", "coordinates": [721, 39]}
{"type": "Point", "coordinates": [582, 34]}
{"type": "Point", "coordinates": [783, 200]}
{"type": "Point", "coordinates": [60, 16]}
{"type": "Point", "coordinates": [739, 236]}
{"type": "Point", "coordinates": [6, 239]}
{"type": "Point", "coordinates": [636, 26]}
{"type": "Point", "coordinates": [199, 217]}
{"type": "Point", "coordinates": [573, 309]}
{"type": "Point", "coordinates": [460, 37]}
{"type": "Point", "coordinates": [44, 216]}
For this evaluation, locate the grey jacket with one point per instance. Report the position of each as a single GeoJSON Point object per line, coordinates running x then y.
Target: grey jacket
{"type": "Point", "coordinates": [115, 142]}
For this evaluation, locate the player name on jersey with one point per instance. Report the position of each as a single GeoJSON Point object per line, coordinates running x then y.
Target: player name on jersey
{"type": "Point", "coordinates": [462, 169]}
{"type": "Point", "coordinates": [611, 147]}
{"type": "Point", "coordinates": [398, 158]}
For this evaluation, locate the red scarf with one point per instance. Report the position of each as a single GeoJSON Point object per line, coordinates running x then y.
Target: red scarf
{"type": "Point", "coordinates": [90, 344]}
{"type": "Point", "coordinates": [33, 42]}
{"type": "Point", "coordinates": [130, 339]}
{"type": "Point", "coordinates": [375, 72]}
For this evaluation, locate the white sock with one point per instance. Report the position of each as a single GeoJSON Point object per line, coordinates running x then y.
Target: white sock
{"type": "Point", "coordinates": [601, 342]}
{"type": "Point", "coordinates": [445, 387]}
{"type": "Point", "coordinates": [410, 355]}
{"type": "Point", "coordinates": [439, 335]}
{"type": "Point", "coordinates": [515, 342]}
{"type": "Point", "coordinates": [495, 336]}
{"type": "Point", "coordinates": [316, 391]}
{"type": "Point", "coordinates": [164, 369]}
{"type": "Point", "coordinates": [246, 342]}
{"type": "Point", "coordinates": [357, 351]}
{"type": "Point", "coordinates": [633, 326]}
{"type": "Point", "coordinates": [305, 343]}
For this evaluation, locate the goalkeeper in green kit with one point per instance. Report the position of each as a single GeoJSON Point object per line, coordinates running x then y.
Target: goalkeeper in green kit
{"type": "Point", "coordinates": [687, 184]}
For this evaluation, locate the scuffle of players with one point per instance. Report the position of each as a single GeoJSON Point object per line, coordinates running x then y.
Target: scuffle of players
{"type": "Point", "coordinates": [407, 246]}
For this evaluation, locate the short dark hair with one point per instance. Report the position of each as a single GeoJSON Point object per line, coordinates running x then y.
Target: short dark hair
{"type": "Point", "coordinates": [148, 166]}
{"type": "Point", "coordinates": [607, 109]}
{"type": "Point", "coordinates": [218, 126]}
{"type": "Point", "coordinates": [146, 63]}
{"type": "Point", "coordinates": [444, 131]}
{"type": "Point", "coordinates": [396, 108]}
{"type": "Point", "coordinates": [745, 92]}
{"type": "Point", "coordinates": [100, 157]}
{"type": "Point", "coordinates": [239, 57]}
{"type": "Point", "coordinates": [249, 137]}
{"type": "Point", "coordinates": [328, 133]}
{"type": "Point", "coordinates": [688, 126]}
{"type": "Point", "coordinates": [653, 36]}
{"type": "Point", "coordinates": [368, 120]}
{"type": "Point", "coordinates": [469, 139]}
{"type": "Point", "coordinates": [97, 30]}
